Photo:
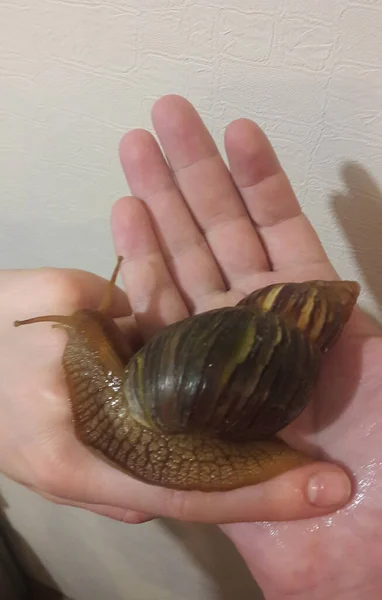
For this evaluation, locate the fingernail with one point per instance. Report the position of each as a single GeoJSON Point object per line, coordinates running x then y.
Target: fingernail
{"type": "Point", "coordinates": [329, 489]}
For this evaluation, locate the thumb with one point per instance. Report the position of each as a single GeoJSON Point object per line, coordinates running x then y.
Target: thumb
{"type": "Point", "coordinates": [316, 489]}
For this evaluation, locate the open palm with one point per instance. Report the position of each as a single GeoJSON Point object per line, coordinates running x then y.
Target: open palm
{"type": "Point", "coordinates": [196, 235]}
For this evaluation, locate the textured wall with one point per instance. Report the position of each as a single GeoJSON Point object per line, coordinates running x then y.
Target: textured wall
{"type": "Point", "coordinates": [76, 74]}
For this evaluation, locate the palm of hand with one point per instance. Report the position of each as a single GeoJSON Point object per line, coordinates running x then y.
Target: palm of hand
{"type": "Point", "coordinates": [337, 555]}
{"type": "Point", "coordinates": [188, 247]}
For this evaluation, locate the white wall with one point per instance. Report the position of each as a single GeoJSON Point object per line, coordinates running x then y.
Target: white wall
{"type": "Point", "coordinates": [76, 74]}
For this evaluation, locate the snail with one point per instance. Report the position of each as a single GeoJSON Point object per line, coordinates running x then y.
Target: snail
{"type": "Point", "coordinates": [199, 406]}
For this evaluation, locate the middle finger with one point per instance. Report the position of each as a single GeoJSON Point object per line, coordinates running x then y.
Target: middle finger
{"type": "Point", "coordinates": [208, 189]}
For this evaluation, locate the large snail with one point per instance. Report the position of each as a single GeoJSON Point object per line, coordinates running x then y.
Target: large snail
{"type": "Point", "coordinates": [200, 404]}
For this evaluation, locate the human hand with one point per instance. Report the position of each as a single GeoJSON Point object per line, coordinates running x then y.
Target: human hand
{"type": "Point", "coordinates": [218, 236]}
{"type": "Point", "coordinates": [37, 442]}
{"type": "Point", "coordinates": [38, 447]}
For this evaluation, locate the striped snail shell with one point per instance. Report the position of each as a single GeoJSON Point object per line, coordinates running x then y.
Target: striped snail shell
{"type": "Point", "coordinates": [200, 404]}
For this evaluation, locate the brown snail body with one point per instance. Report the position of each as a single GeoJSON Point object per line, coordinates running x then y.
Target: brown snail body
{"type": "Point", "coordinates": [200, 404]}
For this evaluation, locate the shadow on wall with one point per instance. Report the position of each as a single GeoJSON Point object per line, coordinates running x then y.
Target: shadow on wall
{"type": "Point", "coordinates": [206, 545]}
{"type": "Point", "coordinates": [211, 550]}
{"type": "Point", "coordinates": [359, 212]}
{"type": "Point", "coordinates": [17, 576]}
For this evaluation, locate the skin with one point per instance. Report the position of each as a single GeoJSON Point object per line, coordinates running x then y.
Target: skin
{"type": "Point", "coordinates": [201, 243]}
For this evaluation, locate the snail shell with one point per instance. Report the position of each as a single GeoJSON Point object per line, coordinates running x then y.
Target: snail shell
{"type": "Point", "coordinates": [199, 405]}
{"type": "Point", "coordinates": [236, 373]}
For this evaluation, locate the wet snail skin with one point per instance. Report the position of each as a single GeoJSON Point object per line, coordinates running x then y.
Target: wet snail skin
{"type": "Point", "coordinates": [199, 405]}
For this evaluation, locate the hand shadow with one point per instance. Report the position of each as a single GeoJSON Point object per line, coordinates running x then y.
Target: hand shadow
{"type": "Point", "coordinates": [359, 213]}
{"type": "Point", "coordinates": [209, 548]}
{"type": "Point", "coordinates": [358, 210]}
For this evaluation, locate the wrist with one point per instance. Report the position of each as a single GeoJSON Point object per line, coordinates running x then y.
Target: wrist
{"type": "Point", "coordinates": [369, 591]}
{"type": "Point", "coordinates": [317, 574]}
{"type": "Point", "coordinates": [341, 587]}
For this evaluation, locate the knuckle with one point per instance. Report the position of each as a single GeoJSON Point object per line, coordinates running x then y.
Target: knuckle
{"type": "Point", "coordinates": [179, 505]}
{"type": "Point", "coordinates": [49, 474]}
{"type": "Point", "coordinates": [61, 287]}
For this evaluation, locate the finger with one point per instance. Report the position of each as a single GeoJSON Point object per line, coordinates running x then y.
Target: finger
{"type": "Point", "coordinates": [184, 248]}
{"type": "Point", "coordinates": [153, 295]}
{"type": "Point", "coordinates": [66, 290]}
{"type": "Point", "coordinates": [289, 496]}
{"type": "Point", "coordinates": [288, 237]}
{"type": "Point", "coordinates": [208, 189]}
{"type": "Point", "coordinates": [123, 515]}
